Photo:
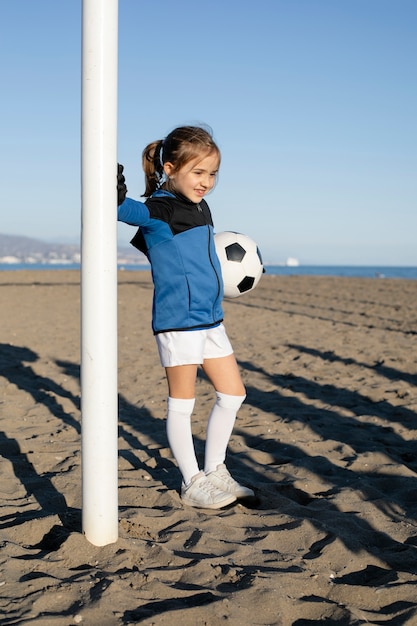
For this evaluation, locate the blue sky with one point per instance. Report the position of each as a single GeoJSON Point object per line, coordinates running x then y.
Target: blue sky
{"type": "Point", "coordinates": [312, 102]}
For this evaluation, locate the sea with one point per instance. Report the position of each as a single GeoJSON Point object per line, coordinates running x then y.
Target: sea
{"type": "Point", "coordinates": [358, 271]}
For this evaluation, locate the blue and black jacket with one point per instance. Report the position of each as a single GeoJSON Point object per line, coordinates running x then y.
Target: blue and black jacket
{"type": "Point", "coordinates": [176, 235]}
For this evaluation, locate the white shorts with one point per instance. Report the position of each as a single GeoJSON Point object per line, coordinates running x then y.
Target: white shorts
{"type": "Point", "coordinates": [189, 347]}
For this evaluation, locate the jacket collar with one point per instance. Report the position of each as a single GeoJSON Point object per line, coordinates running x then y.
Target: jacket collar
{"type": "Point", "coordinates": [159, 193]}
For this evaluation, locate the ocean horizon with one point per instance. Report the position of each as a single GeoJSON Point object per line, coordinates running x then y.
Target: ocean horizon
{"type": "Point", "coordinates": [358, 271]}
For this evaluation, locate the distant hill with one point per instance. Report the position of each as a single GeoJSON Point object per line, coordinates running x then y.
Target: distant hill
{"type": "Point", "coordinates": [18, 249]}
{"type": "Point", "coordinates": [28, 250]}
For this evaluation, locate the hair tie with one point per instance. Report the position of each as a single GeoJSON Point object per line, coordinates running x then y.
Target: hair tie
{"type": "Point", "coordinates": [159, 171]}
{"type": "Point", "coordinates": [161, 152]}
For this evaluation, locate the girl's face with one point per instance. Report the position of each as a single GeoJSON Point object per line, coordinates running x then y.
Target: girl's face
{"type": "Point", "coordinates": [195, 179]}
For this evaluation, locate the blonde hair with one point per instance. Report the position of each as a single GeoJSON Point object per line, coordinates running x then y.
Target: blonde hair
{"type": "Point", "coordinates": [181, 146]}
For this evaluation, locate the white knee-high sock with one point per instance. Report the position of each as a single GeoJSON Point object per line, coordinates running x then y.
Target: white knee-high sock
{"type": "Point", "coordinates": [180, 436]}
{"type": "Point", "coordinates": [219, 428]}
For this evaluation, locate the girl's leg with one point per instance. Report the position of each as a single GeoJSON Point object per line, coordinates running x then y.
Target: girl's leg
{"type": "Point", "coordinates": [224, 375]}
{"type": "Point", "coordinates": [181, 385]}
{"type": "Point", "coordinates": [181, 381]}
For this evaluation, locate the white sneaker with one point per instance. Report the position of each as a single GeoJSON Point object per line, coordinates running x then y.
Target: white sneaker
{"type": "Point", "coordinates": [221, 479]}
{"type": "Point", "coordinates": [203, 494]}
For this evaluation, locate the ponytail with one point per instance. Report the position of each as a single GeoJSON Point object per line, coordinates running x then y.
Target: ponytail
{"type": "Point", "coordinates": [152, 166]}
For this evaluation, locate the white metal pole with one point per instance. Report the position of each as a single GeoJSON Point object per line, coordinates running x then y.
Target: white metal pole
{"type": "Point", "coordinates": [99, 272]}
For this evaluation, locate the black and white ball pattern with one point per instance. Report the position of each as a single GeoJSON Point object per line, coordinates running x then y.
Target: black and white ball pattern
{"type": "Point", "coordinates": [241, 262]}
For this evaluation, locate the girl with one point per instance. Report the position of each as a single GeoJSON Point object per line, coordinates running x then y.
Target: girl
{"type": "Point", "coordinates": [176, 234]}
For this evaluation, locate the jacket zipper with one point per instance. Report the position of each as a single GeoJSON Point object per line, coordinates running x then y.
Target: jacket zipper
{"type": "Point", "coordinates": [214, 269]}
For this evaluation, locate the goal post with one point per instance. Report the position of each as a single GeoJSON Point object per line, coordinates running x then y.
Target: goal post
{"type": "Point", "coordinates": [99, 406]}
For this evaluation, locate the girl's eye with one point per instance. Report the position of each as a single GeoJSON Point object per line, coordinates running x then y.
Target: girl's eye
{"type": "Point", "coordinates": [200, 173]}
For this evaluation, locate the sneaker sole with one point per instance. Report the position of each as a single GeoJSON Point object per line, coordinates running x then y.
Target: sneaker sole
{"type": "Point", "coordinates": [213, 505]}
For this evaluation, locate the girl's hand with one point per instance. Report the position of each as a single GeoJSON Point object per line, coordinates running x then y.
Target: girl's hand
{"type": "Point", "coordinates": [121, 185]}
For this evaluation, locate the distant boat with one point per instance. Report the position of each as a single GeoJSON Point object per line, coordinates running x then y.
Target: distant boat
{"type": "Point", "coordinates": [292, 262]}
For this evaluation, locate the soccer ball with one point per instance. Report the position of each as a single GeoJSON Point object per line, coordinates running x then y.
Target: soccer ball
{"type": "Point", "coordinates": [241, 263]}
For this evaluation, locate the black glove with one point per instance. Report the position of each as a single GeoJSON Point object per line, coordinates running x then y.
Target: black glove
{"type": "Point", "coordinates": [121, 185]}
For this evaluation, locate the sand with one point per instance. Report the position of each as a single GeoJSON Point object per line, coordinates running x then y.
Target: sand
{"type": "Point", "coordinates": [326, 437]}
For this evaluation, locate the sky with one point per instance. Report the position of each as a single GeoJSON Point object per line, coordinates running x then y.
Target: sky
{"type": "Point", "coordinates": [312, 102]}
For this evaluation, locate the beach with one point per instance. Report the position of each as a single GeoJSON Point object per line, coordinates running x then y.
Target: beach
{"type": "Point", "coordinates": [326, 438]}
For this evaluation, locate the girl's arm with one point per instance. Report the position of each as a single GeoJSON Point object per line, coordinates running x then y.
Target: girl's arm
{"type": "Point", "coordinates": [128, 210]}
{"type": "Point", "coordinates": [132, 212]}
